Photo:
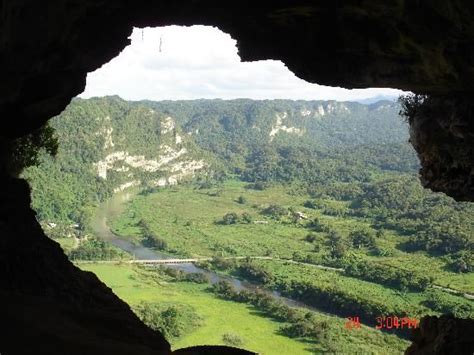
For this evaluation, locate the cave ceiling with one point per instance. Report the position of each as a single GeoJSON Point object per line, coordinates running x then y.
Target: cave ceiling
{"type": "Point", "coordinates": [47, 49]}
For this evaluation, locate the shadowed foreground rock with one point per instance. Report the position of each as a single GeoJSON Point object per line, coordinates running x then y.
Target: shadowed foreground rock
{"type": "Point", "coordinates": [48, 306]}
{"type": "Point", "coordinates": [442, 132]}
{"type": "Point", "coordinates": [443, 335]}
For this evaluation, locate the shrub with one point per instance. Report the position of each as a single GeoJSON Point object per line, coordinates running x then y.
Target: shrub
{"type": "Point", "coordinates": [362, 238]}
{"type": "Point", "coordinates": [310, 204]}
{"type": "Point", "coordinates": [254, 272]}
{"type": "Point", "coordinates": [260, 186]}
{"type": "Point", "coordinates": [197, 277]}
{"type": "Point", "coordinates": [410, 105]}
{"type": "Point", "coordinates": [303, 328]}
{"type": "Point", "coordinates": [222, 264]}
{"type": "Point", "coordinates": [205, 185]}
{"type": "Point", "coordinates": [95, 249]}
{"type": "Point", "coordinates": [232, 339]}
{"type": "Point", "coordinates": [445, 303]}
{"type": "Point", "coordinates": [463, 262]}
{"type": "Point", "coordinates": [275, 211]}
{"type": "Point", "coordinates": [225, 290]}
{"type": "Point", "coordinates": [242, 200]}
{"type": "Point", "coordinates": [152, 241]}
{"type": "Point", "coordinates": [387, 275]}
{"type": "Point", "coordinates": [230, 218]}
{"type": "Point", "coordinates": [338, 250]}
{"type": "Point", "coordinates": [246, 217]}
{"type": "Point", "coordinates": [173, 321]}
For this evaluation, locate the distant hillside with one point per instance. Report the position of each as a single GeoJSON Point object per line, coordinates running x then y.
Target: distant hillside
{"type": "Point", "coordinates": [108, 145]}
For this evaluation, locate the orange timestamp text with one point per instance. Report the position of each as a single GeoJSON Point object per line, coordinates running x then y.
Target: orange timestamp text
{"type": "Point", "coordinates": [384, 322]}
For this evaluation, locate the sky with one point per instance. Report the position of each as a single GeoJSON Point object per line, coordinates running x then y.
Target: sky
{"type": "Point", "coordinates": [202, 62]}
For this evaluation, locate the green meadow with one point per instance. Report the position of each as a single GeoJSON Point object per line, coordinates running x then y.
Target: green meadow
{"type": "Point", "coordinates": [187, 219]}
{"type": "Point", "coordinates": [258, 332]}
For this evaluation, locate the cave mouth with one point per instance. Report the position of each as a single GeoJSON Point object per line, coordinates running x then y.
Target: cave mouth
{"type": "Point", "coordinates": [202, 62]}
{"type": "Point", "coordinates": [123, 162]}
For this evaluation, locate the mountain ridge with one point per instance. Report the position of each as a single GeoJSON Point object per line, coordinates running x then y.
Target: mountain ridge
{"type": "Point", "coordinates": [108, 145]}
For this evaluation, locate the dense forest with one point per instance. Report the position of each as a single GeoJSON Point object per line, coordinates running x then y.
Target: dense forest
{"type": "Point", "coordinates": [275, 140]}
{"type": "Point", "coordinates": [338, 150]}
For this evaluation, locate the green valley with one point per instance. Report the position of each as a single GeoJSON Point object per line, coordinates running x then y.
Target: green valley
{"type": "Point", "coordinates": [315, 201]}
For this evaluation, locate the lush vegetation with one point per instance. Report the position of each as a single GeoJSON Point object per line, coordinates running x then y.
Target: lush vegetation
{"type": "Point", "coordinates": [172, 320]}
{"type": "Point", "coordinates": [232, 137]}
{"type": "Point", "coordinates": [95, 249]}
{"type": "Point", "coordinates": [219, 321]}
{"type": "Point", "coordinates": [321, 199]}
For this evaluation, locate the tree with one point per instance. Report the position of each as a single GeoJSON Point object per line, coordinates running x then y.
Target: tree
{"type": "Point", "coordinates": [275, 211]}
{"type": "Point", "coordinates": [362, 238]}
{"type": "Point", "coordinates": [463, 262]}
{"type": "Point", "coordinates": [224, 289]}
{"type": "Point", "coordinates": [305, 328]}
{"type": "Point", "coordinates": [338, 250]}
{"type": "Point", "coordinates": [410, 105]}
{"type": "Point", "coordinates": [150, 239]}
{"type": "Point", "coordinates": [25, 151]}
{"type": "Point", "coordinates": [230, 218]}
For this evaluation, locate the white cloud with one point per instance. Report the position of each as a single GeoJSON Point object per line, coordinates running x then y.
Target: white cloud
{"type": "Point", "coordinates": [202, 62]}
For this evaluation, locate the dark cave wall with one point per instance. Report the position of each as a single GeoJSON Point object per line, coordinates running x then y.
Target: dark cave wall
{"type": "Point", "coordinates": [47, 48]}
{"type": "Point", "coordinates": [47, 305]}
{"type": "Point", "coordinates": [442, 131]}
{"type": "Point", "coordinates": [443, 335]}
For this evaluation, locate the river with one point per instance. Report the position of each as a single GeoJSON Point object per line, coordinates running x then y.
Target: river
{"type": "Point", "coordinates": [115, 206]}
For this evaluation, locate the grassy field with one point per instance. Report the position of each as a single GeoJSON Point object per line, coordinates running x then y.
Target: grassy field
{"type": "Point", "coordinates": [189, 219]}
{"type": "Point", "coordinates": [185, 217]}
{"type": "Point", "coordinates": [219, 316]}
{"type": "Point", "coordinates": [258, 332]}
{"type": "Point", "coordinates": [406, 302]}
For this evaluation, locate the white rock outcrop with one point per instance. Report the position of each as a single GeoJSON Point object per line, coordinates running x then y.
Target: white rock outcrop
{"type": "Point", "coordinates": [167, 125]}
{"type": "Point", "coordinates": [305, 112]}
{"type": "Point", "coordinates": [170, 160]}
{"type": "Point", "coordinates": [321, 110]}
{"type": "Point", "coordinates": [281, 127]}
{"type": "Point", "coordinates": [136, 161]}
{"type": "Point", "coordinates": [106, 132]}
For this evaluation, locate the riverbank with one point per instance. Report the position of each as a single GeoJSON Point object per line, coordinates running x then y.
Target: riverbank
{"type": "Point", "coordinates": [220, 317]}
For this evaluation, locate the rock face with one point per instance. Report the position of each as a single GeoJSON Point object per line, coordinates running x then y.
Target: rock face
{"type": "Point", "coordinates": [47, 48]}
{"type": "Point", "coordinates": [51, 307]}
{"type": "Point", "coordinates": [442, 131]}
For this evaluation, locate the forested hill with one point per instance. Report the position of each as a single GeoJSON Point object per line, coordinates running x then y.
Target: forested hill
{"type": "Point", "coordinates": [321, 123]}
{"type": "Point", "coordinates": [108, 144]}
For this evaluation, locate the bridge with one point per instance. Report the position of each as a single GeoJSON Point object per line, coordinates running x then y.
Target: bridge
{"type": "Point", "coordinates": [168, 261]}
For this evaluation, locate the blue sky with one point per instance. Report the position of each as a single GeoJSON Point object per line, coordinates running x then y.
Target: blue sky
{"type": "Point", "coordinates": [202, 62]}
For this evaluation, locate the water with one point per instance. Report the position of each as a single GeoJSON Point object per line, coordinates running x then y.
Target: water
{"type": "Point", "coordinates": [115, 206]}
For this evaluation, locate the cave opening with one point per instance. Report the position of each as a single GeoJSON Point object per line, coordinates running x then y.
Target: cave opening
{"type": "Point", "coordinates": [120, 160]}
{"type": "Point", "coordinates": [51, 306]}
